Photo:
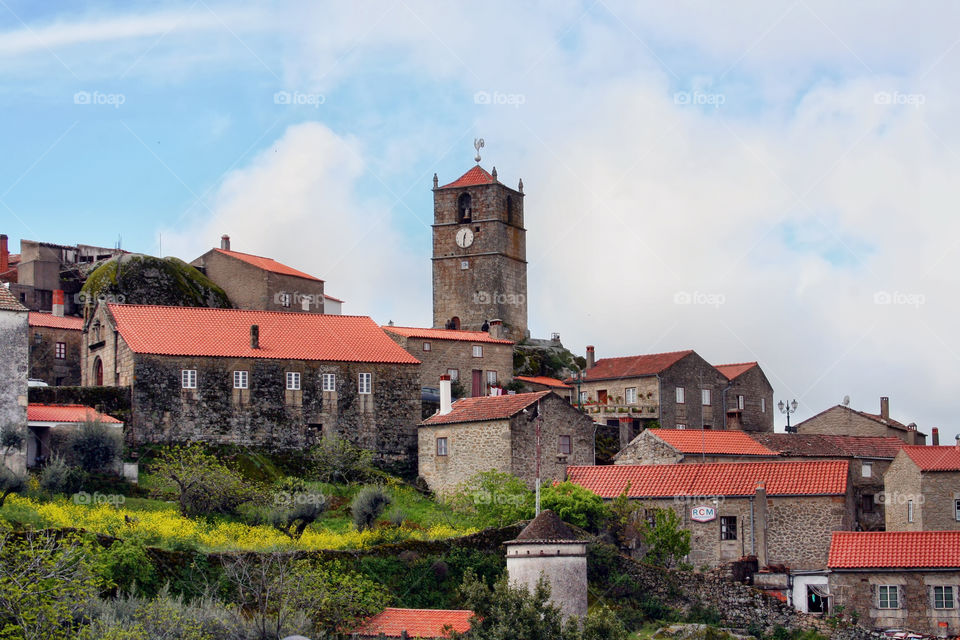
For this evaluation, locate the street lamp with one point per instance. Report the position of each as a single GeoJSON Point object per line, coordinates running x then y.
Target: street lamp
{"type": "Point", "coordinates": [579, 375]}
{"type": "Point", "coordinates": [788, 408]}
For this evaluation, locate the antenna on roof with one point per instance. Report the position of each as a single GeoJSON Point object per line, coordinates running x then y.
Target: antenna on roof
{"type": "Point", "coordinates": [478, 144]}
{"type": "Point", "coordinates": [846, 401]}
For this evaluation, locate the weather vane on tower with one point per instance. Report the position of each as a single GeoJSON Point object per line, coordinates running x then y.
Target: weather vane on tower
{"type": "Point", "coordinates": [477, 144]}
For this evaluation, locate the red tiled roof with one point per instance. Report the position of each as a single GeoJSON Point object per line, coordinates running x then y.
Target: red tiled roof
{"type": "Point", "coordinates": [8, 301]}
{"type": "Point", "coordinates": [719, 479]}
{"type": "Point", "coordinates": [731, 371]}
{"type": "Point", "coordinates": [894, 549]}
{"type": "Point", "coordinates": [546, 381]}
{"type": "Point", "coordinates": [476, 175]}
{"type": "Point", "coordinates": [486, 408]}
{"type": "Point", "coordinates": [820, 445]}
{"type": "Point", "coordinates": [42, 319]}
{"type": "Point", "coordinates": [708, 441]}
{"type": "Point", "coordinates": [942, 458]}
{"type": "Point", "coordinates": [418, 623]}
{"type": "Point", "coordinates": [326, 297]}
{"type": "Point", "coordinates": [268, 264]}
{"type": "Point", "coordinates": [634, 366]}
{"type": "Point", "coordinates": [445, 334]}
{"type": "Point", "coordinates": [890, 422]}
{"type": "Point", "coordinates": [66, 413]}
{"type": "Point", "coordinates": [199, 331]}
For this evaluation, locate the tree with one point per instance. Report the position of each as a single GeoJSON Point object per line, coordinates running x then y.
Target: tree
{"type": "Point", "coordinates": [11, 439]}
{"type": "Point", "coordinates": [667, 541]}
{"type": "Point", "coordinates": [368, 505]}
{"type": "Point", "coordinates": [337, 460]}
{"type": "Point", "coordinates": [202, 483]}
{"type": "Point", "coordinates": [95, 447]}
{"type": "Point", "coordinates": [575, 505]}
{"type": "Point", "coordinates": [296, 511]}
{"type": "Point", "coordinates": [494, 499]}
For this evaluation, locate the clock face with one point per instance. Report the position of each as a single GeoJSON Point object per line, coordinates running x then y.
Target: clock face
{"type": "Point", "coordinates": [464, 238]}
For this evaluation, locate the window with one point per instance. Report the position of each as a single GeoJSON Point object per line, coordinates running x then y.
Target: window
{"type": "Point", "coordinates": [464, 212]}
{"type": "Point", "coordinates": [240, 379]}
{"type": "Point", "coordinates": [61, 351]}
{"type": "Point", "coordinates": [583, 400]}
{"type": "Point", "coordinates": [441, 446]}
{"type": "Point", "coordinates": [293, 380]}
{"type": "Point", "coordinates": [956, 509]}
{"type": "Point", "coordinates": [909, 510]}
{"type": "Point", "coordinates": [763, 405]}
{"type": "Point", "coordinates": [454, 374]}
{"type": "Point", "coordinates": [740, 403]}
{"type": "Point", "coordinates": [284, 299]}
{"type": "Point", "coordinates": [887, 596]}
{"type": "Point", "coordinates": [365, 383]}
{"type": "Point", "coordinates": [464, 265]}
{"type": "Point", "coordinates": [681, 426]}
{"type": "Point", "coordinates": [563, 446]}
{"type": "Point", "coordinates": [188, 378]}
{"type": "Point", "coordinates": [866, 503]}
{"type": "Point", "coordinates": [705, 397]}
{"type": "Point", "coordinates": [679, 395]}
{"type": "Point", "coordinates": [866, 470]}
{"type": "Point", "coordinates": [630, 395]}
{"type": "Point", "coordinates": [491, 378]}
{"type": "Point", "coordinates": [477, 351]}
{"type": "Point", "coordinates": [37, 338]}
{"type": "Point", "coordinates": [329, 382]}
{"type": "Point", "coordinates": [943, 598]}
{"type": "Point", "coordinates": [426, 346]}
{"type": "Point", "coordinates": [728, 527]}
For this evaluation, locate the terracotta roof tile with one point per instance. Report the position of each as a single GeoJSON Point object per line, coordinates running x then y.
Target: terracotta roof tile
{"type": "Point", "coordinates": [546, 381]}
{"type": "Point", "coordinates": [819, 445]}
{"type": "Point", "coordinates": [445, 334]}
{"type": "Point", "coordinates": [633, 366]}
{"type": "Point", "coordinates": [720, 479]}
{"type": "Point", "coordinates": [268, 264]}
{"type": "Point", "coordinates": [476, 175]}
{"type": "Point", "coordinates": [66, 413]}
{"type": "Point", "coordinates": [8, 301]}
{"type": "Point", "coordinates": [894, 549]}
{"type": "Point", "coordinates": [942, 458]}
{"type": "Point", "coordinates": [41, 319]}
{"type": "Point", "coordinates": [731, 371]}
{"type": "Point", "coordinates": [487, 408]}
{"type": "Point", "coordinates": [708, 441]}
{"type": "Point", "coordinates": [418, 623]}
{"type": "Point", "coordinates": [199, 331]}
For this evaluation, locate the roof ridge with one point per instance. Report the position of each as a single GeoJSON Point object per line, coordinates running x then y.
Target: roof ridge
{"type": "Point", "coordinates": [231, 309]}
{"type": "Point", "coordinates": [645, 355]}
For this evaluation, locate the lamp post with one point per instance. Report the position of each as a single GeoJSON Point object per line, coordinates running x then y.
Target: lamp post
{"type": "Point", "coordinates": [788, 408]}
{"type": "Point", "coordinates": [579, 376]}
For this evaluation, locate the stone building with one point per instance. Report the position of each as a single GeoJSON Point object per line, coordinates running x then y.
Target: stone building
{"type": "Point", "coordinates": [906, 581]}
{"type": "Point", "coordinates": [278, 380]}
{"type": "Point", "coordinates": [923, 489]}
{"type": "Point", "coordinates": [55, 341]}
{"type": "Point", "coordinates": [748, 397]}
{"type": "Point", "coordinates": [841, 420]}
{"type": "Point", "coordinates": [547, 548]}
{"type": "Point", "coordinates": [478, 360]}
{"type": "Point", "coordinates": [500, 433]}
{"type": "Point", "coordinates": [781, 512]}
{"type": "Point", "coordinates": [546, 383]}
{"type": "Point", "coordinates": [14, 360]}
{"type": "Point", "coordinates": [675, 446]}
{"type": "Point", "coordinates": [413, 623]}
{"type": "Point", "coordinates": [479, 254]}
{"type": "Point", "coordinates": [48, 421]}
{"type": "Point", "coordinates": [263, 284]}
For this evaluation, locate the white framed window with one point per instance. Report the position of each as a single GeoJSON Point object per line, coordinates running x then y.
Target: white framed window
{"type": "Point", "coordinates": [293, 380]}
{"type": "Point", "coordinates": [728, 527]}
{"type": "Point", "coordinates": [740, 403]}
{"type": "Point", "coordinates": [630, 395]}
{"type": "Point", "coordinates": [943, 598]}
{"type": "Point", "coordinates": [464, 264]}
{"type": "Point", "coordinates": [61, 352]}
{"type": "Point", "coordinates": [492, 378]}
{"type": "Point", "coordinates": [705, 397]}
{"type": "Point", "coordinates": [679, 395]}
{"type": "Point", "coordinates": [427, 346]}
{"type": "Point", "coordinates": [564, 445]}
{"type": "Point", "coordinates": [909, 510]}
{"type": "Point", "coordinates": [454, 374]}
{"type": "Point", "coordinates": [284, 299]}
{"type": "Point", "coordinates": [763, 405]}
{"type": "Point", "coordinates": [188, 378]}
{"type": "Point", "coordinates": [866, 469]}
{"type": "Point", "coordinates": [38, 338]}
{"type": "Point", "coordinates": [365, 383]}
{"type": "Point", "coordinates": [956, 509]}
{"type": "Point", "coordinates": [441, 446]}
{"type": "Point", "coordinates": [477, 351]}
{"type": "Point", "coordinates": [681, 426]}
{"type": "Point", "coordinates": [329, 381]}
{"type": "Point", "coordinates": [583, 400]}
{"type": "Point", "coordinates": [240, 379]}
{"type": "Point", "coordinates": [888, 596]}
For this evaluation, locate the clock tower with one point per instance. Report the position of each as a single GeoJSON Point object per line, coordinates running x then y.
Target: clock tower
{"type": "Point", "coordinates": [479, 254]}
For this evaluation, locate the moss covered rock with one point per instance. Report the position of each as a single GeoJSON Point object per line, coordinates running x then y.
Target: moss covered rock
{"type": "Point", "coordinates": [139, 279]}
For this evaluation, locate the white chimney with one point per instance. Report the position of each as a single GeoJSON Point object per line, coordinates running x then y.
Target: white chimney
{"type": "Point", "coordinates": [446, 404]}
{"type": "Point", "coordinates": [57, 308]}
{"type": "Point", "coordinates": [225, 242]}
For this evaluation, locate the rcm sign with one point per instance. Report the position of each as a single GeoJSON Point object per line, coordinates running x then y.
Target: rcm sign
{"type": "Point", "coordinates": [703, 514]}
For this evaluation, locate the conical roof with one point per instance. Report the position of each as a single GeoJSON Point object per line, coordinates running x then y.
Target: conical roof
{"type": "Point", "coordinates": [546, 527]}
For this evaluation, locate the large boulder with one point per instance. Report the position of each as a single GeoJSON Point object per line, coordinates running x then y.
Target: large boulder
{"type": "Point", "coordinates": [135, 278]}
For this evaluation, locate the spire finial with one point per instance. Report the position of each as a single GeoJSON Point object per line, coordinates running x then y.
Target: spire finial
{"type": "Point", "coordinates": [520, 186]}
{"type": "Point", "coordinates": [494, 174]}
{"type": "Point", "coordinates": [436, 182]}
{"type": "Point", "coordinates": [477, 144]}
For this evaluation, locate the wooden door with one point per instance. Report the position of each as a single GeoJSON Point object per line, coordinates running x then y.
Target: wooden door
{"type": "Point", "coordinates": [477, 383]}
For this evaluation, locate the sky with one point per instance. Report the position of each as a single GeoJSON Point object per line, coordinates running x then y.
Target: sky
{"type": "Point", "coordinates": [756, 181]}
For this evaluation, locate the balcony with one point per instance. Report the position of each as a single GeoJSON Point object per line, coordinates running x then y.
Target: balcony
{"type": "Point", "coordinates": [612, 409]}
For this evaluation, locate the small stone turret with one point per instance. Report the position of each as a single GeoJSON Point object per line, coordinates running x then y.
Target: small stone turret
{"type": "Point", "coordinates": [547, 547]}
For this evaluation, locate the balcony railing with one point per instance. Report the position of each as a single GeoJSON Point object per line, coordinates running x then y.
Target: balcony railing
{"type": "Point", "coordinates": [622, 410]}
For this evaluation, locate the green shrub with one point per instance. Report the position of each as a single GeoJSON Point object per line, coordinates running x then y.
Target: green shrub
{"type": "Point", "coordinates": [667, 541]}
{"type": "Point", "coordinates": [575, 505]}
{"type": "Point", "coordinates": [337, 460]}
{"type": "Point", "coordinates": [126, 565]}
{"type": "Point", "coordinates": [59, 477]}
{"type": "Point", "coordinates": [10, 482]}
{"type": "Point", "coordinates": [94, 446]}
{"type": "Point", "coordinates": [494, 499]}
{"type": "Point", "coordinates": [296, 511]}
{"type": "Point", "coordinates": [369, 503]}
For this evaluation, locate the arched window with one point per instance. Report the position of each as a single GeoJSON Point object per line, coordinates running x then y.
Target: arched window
{"type": "Point", "coordinates": [454, 322]}
{"type": "Point", "coordinates": [464, 211]}
{"type": "Point", "coordinates": [98, 372]}
{"type": "Point", "coordinates": [509, 209]}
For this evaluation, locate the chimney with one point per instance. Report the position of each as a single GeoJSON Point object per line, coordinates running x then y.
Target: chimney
{"type": "Point", "coordinates": [760, 523]}
{"type": "Point", "coordinates": [254, 336]}
{"type": "Point", "coordinates": [58, 303]}
{"type": "Point", "coordinates": [935, 433]}
{"type": "Point", "coordinates": [446, 406]}
{"type": "Point", "coordinates": [590, 357]}
{"type": "Point", "coordinates": [4, 254]}
{"type": "Point", "coordinates": [885, 407]}
{"type": "Point", "coordinates": [225, 242]}
{"type": "Point", "coordinates": [496, 329]}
